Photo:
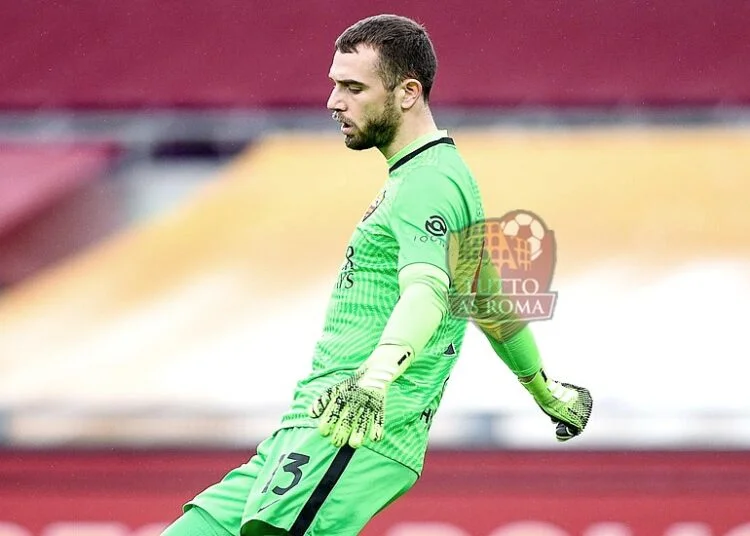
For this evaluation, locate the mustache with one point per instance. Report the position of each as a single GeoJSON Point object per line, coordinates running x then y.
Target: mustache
{"type": "Point", "coordinates": [336, 116]}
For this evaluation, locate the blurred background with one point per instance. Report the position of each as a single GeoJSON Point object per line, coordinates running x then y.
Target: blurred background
{"type": "Point", "coordinates": [175, 202]}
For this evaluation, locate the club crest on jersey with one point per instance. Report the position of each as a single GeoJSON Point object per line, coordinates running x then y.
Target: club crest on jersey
{"type": "Point", "coordinates": [375, 204]}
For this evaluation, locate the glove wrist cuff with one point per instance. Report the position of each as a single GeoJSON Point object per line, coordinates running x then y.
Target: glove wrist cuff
{"type": "Point", "coordinates": [538, 388]}
{"type": "Point", "coordinates": [386, 363]}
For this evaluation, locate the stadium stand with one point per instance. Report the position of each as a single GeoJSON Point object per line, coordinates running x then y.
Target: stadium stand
{"type": "Point", "coordinates": [49, 205]}
{"type": "Point", "coordinates": [219, 280]}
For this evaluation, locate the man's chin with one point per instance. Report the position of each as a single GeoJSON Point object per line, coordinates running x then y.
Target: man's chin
{"type": "Point", "coordinates": [357, 144]}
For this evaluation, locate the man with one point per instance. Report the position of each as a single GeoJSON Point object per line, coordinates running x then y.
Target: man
{"type": "Point", "coordinates": [390, 340]}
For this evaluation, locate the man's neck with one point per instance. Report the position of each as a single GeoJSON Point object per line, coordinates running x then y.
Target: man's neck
{"type": "Point", "coordinates": [410, 130]}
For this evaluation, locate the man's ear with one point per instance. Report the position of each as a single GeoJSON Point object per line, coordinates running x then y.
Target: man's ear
{"type": "Point", "coordinates": [411, 90]}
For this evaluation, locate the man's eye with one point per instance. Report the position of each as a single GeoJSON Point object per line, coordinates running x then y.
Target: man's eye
{"type": "Point", "coordinates": [355, 89]}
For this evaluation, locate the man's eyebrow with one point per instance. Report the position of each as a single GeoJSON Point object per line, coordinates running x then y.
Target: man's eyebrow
{"type": "Point", "coordinates": [347, 82]}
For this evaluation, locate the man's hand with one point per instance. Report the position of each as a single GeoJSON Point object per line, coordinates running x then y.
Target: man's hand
{"type": "Point", "coordinates": [351, 411]}
{"type": "Point", "coordinates": [569, 406]}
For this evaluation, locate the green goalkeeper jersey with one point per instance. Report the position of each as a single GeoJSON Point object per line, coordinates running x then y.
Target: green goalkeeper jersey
{"type": "Point", "coordinates": [429, 193]}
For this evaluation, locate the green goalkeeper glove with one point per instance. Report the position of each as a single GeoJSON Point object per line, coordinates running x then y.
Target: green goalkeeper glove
{"type": "Point", "coordinates": [353, 410]}
{"type": "Point", "coordinates": [569, 406]}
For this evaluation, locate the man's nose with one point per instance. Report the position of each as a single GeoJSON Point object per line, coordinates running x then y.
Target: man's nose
{"type": "Point", "coordinates": [335, 102]}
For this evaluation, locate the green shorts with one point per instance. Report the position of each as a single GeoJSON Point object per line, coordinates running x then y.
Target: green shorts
{"type": "Point", "coordinates": [300, 482]}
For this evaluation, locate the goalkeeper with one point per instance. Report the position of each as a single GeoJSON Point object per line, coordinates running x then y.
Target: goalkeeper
{"type": "Point", "coordinates": [355, 435]}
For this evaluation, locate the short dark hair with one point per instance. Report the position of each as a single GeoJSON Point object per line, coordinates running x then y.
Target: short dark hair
{"type": "Point", "coordinates": [404, 48]}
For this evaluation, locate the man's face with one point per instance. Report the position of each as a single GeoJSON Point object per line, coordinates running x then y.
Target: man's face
{"type": "Point", "coordinates": [365, 108]}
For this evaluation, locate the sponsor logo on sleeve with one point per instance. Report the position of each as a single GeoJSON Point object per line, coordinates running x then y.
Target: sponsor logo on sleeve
{"type": "Point", "coordinates": [435, 225]}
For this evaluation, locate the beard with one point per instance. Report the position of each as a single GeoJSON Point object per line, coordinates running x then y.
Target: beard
{"type": "Point", "coordinates": [377, 131]}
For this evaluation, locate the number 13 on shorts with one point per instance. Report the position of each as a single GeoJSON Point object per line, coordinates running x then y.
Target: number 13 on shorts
{"type": "Point", "coordinates": [289, 463]}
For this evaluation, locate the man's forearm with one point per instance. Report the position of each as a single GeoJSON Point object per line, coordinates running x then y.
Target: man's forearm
{"type": "Point", "coordinates": [519, 352]}
{"type": "Point", "coordinates": [509, 335]}
{"type": "Point", "coordinates": [417, 314]}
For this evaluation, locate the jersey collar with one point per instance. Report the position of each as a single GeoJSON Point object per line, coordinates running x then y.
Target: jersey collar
{"type": "Point", "coordinates": [417, 146]}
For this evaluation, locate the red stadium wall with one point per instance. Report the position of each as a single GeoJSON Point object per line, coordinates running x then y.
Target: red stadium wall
{"type": "Point", "coordinates": [110, 493]}
{"type": "Point", "coordinates": [257, 54]}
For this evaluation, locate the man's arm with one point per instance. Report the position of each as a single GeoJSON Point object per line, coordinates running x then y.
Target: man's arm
{"type": "Point", "coordinates": [508, 334]}
{"type": "Point", "coordinates": [568, 406]}
{"type": "Point", "coordinates": [353, 411]}
{"type": "Point", "coordinates": [420, 309]}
